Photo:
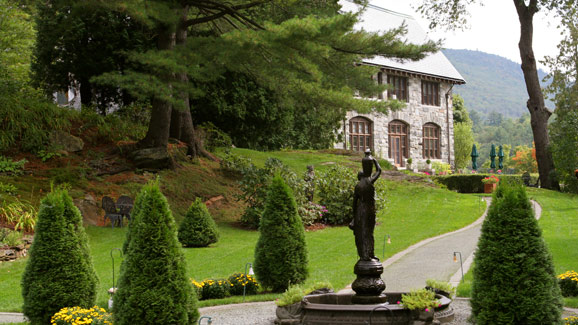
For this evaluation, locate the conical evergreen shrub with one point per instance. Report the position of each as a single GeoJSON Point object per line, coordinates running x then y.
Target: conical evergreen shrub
{"type": "Point", "coordinates": [153, 287]}
{"type": "Point", "coordinates": [59, 272]}
{"type": "Point", "coordinates": [281, 253]}
{"type": "Point", "coordinates": [198, 229]}
{"type": "Point", "coordinates": [514, 278]}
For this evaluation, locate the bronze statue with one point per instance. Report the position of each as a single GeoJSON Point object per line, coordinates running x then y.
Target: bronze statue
{"type": "Point", "coordinates": [363, 222]}
{"type": "Point", "coordinates": [368, 285]}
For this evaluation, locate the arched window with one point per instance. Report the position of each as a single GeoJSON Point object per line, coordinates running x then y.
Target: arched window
{"type": "Point", "coordinates": [398, 142]}
{"type": "Point", "coordinates": [360, 134]}
{"type": "Point", "coordinates": [431, 141]}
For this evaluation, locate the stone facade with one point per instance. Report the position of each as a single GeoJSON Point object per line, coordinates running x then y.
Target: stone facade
{"type": "Point", "coordinates": [415, 115]}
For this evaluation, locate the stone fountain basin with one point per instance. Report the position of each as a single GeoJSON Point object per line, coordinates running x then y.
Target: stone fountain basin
{"type": "Point", "coordinates": [333, 308]}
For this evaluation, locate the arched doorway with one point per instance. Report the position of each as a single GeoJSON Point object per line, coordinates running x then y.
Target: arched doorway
{"type": "Point", "coordinates": [360, 134]}
{"type": "Point", "coordinates": [398, 142]}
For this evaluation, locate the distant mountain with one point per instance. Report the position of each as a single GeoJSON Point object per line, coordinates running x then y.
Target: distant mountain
{"type": "Point", "coordinates": [494, 83]}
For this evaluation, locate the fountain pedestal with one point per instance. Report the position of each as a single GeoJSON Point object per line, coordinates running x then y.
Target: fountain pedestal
{"type": "Point", "coordinates": [368, 286]}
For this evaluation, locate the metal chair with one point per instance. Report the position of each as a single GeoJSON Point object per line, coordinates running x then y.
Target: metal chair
{"type": "Point", "coordinates": [110, 211]}
{"type": "Point", "coordinates": [124, 204]}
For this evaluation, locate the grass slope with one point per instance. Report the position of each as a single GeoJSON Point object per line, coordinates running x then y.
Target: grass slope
{"type": "Point", "coordinates": [414, 212]}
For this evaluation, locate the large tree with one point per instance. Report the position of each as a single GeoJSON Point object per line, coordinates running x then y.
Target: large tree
{"type": "Point", "coordinates": [16, 41]}
{"type": "Point", "coordinates": [463, 135]}
{"type": "Point", "coordinates": [564, 130]}
{"type": "Point", "coordinates": [75, 43]}
{"type": "Point", "coordinates": [452, 14]}
{"type": "Point", "coordinates": [303, 51]}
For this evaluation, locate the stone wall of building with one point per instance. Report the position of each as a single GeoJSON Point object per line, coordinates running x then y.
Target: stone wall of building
{"type": "Point", "coordinates": [415, 115]}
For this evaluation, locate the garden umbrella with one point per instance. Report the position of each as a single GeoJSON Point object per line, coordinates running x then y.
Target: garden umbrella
{"type": "Point", "coordinates": [474, 156]}
{"type": "Point", "coordinates": [501, 158]}
{"type": "Point", "coordinates": [493, 157]}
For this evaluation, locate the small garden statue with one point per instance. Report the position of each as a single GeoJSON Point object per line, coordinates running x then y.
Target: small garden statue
{"type": "Point", "coordinates": [309, 183]}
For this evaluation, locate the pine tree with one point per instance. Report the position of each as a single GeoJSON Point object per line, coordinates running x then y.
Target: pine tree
{"type": "Point", "coordinates": [281, 253]}
{"type": "Point", "coordinates": [198, 229]}
{"type": "Point", "coordinates": [514, 278]}
{"type": "Point", "coordinates": [153, 287]}
{"type": "Point", "coordinates": [59, 272]}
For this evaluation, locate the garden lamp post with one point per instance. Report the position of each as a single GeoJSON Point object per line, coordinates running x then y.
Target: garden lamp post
{"type": "Point", "coordinates": [112, 290]}
{"type": "Point", "coordinates": [386, 239]}
{"type": "Point", "coordinates": [461, 264]}
{"type": "Point", "coordinates": [250, 266]}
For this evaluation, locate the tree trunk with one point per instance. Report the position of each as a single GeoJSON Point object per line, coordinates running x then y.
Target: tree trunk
{"type": "Point", "coordinates": [85, 92]}
{"type": "Point", "coordinates": [181, 121]}
{"type": "Point", "coordinates": [159, 126]}
{"type": "Point", "coordinates": [539, 114]}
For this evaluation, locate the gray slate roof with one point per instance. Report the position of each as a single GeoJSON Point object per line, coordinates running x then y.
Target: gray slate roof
{"type": "Point", "coordinates": [377, 19]}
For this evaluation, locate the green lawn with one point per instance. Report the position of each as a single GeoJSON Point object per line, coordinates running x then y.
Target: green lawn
{"type": "Point", "coordinates": [413, 213]}
{"type": "Point", "coordinates": [298, 160]}
{"type": "Point", "coordinates": [559, 224]}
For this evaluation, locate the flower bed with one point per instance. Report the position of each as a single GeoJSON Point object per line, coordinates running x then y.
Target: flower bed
{"type": "Point", "coordinates": [568, 282]}
{"type": "Point", "coordinates": [236, 285]}
{"type": "Point", "coordinates": [78, 315]}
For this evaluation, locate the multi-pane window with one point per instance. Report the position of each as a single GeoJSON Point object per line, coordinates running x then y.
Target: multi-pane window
{"type": "Point", "coordinates": [399, 85]}
{"type": "Point", "coordinates": [430, 93]}
{"type": "Point", "coordinates": [398, 142]}
{"type": "Point", "coordinates": [431, 141]}
{"type": "Point", "coordinates": [360, 134]}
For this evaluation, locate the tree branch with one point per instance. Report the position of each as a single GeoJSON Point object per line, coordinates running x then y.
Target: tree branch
{"type": "Point", "coordinates": [223, 9]}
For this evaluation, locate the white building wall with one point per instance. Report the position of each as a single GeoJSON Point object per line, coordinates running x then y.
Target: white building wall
{"type": "Point", "coordinates": [415, 115]}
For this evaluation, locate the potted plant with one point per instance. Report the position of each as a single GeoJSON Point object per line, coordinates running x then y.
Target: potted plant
{"type": "Point", "coordinates": [490, 183]}
{"type": "Point", "coordinates": [428, 163]}
{"type": "Point", "coordinates": [422, 303]}
{"type": "Point", "coordinates": [440, 287]}
{"type": "Point", "coordinates": [408, 163]}
{"type": "Point", "coordinates": [289, 304]}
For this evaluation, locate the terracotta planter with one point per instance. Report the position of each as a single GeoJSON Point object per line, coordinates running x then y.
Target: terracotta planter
{"type": "Point", "coordinates": [489, 188]}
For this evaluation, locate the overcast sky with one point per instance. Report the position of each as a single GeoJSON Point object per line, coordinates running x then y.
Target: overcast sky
{"type": "Point", "coordinates": [494, 28]}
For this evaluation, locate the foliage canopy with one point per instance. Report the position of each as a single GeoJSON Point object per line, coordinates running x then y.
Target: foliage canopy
{"type": "Point", "coordinates": [281, 253]}
{"type": "Point", "coordinates": [514, 278]}
{"type": "Point", "coordinates": [59, 272]}
{"type": "Point", "coordinates": [153, 287]}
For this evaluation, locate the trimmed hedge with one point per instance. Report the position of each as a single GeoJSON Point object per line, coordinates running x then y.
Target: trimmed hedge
{"type": "Point", "coordinates": [153, 287]}
{"type": "Point", "coordinates": [280, 254]}
{"type": "Point", "coordinates": [59, 272]}
{"type": "Point", "coordinates": [472, 183]}
{"type": "Point", "coordinates": [514, 279]}
{"type": "Point", "coordinates": [198, 229]}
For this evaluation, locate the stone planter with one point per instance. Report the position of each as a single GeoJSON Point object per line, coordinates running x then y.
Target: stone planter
{"type": "Point", "coordinates": [422, 317]}
{"type": "Point", "coordinates": [489, 188]}
{"type": "Point", "coordinates": [440, 292]}
{"type": "Point", "coordinates": [290, 314]}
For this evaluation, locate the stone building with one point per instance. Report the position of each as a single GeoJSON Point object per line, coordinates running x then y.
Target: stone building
{"type": "Point", "coordinates": [424, 128]}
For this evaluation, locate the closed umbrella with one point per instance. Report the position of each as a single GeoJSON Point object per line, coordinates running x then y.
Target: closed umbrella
{"type": "Point", "coordinates": [493, 157]}
{"type": "Point", "coordinates": [474, 156]}
{"type": "Point", "coordinates": [501, 158]}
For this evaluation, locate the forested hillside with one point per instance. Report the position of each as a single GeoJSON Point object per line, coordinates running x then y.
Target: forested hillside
{"type": "Point", "coordinates": [494, 83]}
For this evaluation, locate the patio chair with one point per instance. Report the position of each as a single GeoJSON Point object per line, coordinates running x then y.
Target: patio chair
{"type": "Point", "coordinates": [110, 211]}
{"type": "Point", "coordinates": [124, 205]}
